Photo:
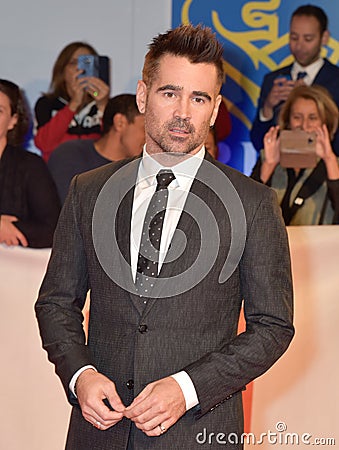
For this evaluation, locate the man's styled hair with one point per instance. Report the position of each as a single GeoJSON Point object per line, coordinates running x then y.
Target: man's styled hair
{"type": "Point", "coordinates": [124, 104]}
{"type": "Point", "coordinates": [326, 106]}
{"type": "Point", "coordinates": [197, 43]}
{"type": "Point", "coordinates": [313, 11]}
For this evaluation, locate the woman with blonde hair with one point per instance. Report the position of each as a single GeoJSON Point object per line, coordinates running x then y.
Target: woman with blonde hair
{"type": "Point", "coordinates": [307, 196]}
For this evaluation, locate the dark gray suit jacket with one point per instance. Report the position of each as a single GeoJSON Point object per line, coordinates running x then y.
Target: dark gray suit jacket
{"type": "Point", "coordinates": [195, 331]}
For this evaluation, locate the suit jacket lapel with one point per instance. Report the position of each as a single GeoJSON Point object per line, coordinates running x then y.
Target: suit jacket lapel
{"type": "Point", "coordinates": [125, 187]}
{"type": "Point", "coordinates": [286, 70]}
{"type": "Point", "coordinates": [322, 75]}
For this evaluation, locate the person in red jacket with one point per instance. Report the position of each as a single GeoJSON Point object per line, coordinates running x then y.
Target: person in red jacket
{"type": "Point", "coordinates": [73, 107]}
{"type": "Point", "coordinates": [223, 123]}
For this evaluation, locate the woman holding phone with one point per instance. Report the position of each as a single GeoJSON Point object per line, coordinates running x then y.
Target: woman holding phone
{"type": "Point", "coordinates": [74, 105]}
{"type": "Point", "coordinates": [307, 196]}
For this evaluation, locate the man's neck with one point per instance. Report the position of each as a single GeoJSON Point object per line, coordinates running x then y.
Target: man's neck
{"type": "Point", "coordinates": [109, 147]}
{"type": "Point", "coordinates": [317, 61]}
{"type": "Point", "coordinates": [166, 159]}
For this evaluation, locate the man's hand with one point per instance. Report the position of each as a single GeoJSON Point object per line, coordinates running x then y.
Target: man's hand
{"type": "Point", "coordinates": [91, 389]}
{"type": "Point", "coordinates": [280, 91]}
{"type": "Point", "coordinates": [9, 233]}
{"type": "Point", "coordinates": [157, 407]}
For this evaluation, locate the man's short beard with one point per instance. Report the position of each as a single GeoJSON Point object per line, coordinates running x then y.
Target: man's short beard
{"type": "Point", "coordinates": [181, 124]}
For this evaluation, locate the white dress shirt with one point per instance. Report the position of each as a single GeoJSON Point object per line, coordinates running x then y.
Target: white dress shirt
{"type": "Point", "coordinates": [311, 70]}
{"type": "Point", "coordinates": [178, 190]}
{"type": "Point", "coordinates": [177, 193]}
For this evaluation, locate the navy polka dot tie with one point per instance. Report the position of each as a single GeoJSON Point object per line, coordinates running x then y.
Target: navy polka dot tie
{"type": "Point", "coordinates": [148, 257]}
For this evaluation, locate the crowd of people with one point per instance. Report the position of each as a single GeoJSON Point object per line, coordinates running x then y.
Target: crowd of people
{"type": "Point", "coordinates": [301, 96]}
{"type": "Point", "coordinates": [307, 195]}
{"type": "Point", "coordinates": [78, 127]}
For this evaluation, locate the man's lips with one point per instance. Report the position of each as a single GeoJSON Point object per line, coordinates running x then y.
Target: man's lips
{"type": "Point", "coordinates": [301, 56]}
{"type": "Point", "coordinates": [181, 131]}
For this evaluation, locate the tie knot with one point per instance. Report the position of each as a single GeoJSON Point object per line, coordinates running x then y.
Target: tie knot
{"type": "Point", "coordinates": [301, 75]}
{"type": "Point", "coordinates": [164, 178]}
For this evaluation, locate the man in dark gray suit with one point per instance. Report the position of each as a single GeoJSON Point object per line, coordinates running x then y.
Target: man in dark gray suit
{"type": "Point", "coordinates": [163, 366]}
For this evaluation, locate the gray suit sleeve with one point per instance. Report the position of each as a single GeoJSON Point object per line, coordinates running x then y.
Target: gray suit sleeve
{"type": "Point", "coordinates": [62, 296]}
{"type": "Point", "coordinates": [266, 284]}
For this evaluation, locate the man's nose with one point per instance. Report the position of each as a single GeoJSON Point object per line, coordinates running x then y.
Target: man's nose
{"type": "Point", "coordinates": [183, 109]}
{"type": "Point", "coordinates": [297, 44]}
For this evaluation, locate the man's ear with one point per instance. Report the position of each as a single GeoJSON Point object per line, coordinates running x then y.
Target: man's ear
{"type": "Point", "coordinates": [215, 110]}
{"type": "Point", "coordinates": [325, 37]}
{"type": "Point", "coordinates": [119, 121]}
{"type": "Point", "coordinates": [141, 96]}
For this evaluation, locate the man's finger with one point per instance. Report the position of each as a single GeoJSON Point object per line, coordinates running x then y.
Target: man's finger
{"type": "Point", "coordinates": [113, 401]}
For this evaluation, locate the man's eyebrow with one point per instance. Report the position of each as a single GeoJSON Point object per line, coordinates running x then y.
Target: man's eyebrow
{"type": "Point", "coordinates": [169, 87]}
{"type": "Point", "coordinates": [173, 87]}
{"type": "Point", "coordinates": [202, 94]}
{"type": "Point", "coordinates": [295, 33]}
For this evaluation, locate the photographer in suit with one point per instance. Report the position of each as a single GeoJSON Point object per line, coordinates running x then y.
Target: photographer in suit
{"type": "Point", "coordinates": [308, 33]}
{"type": "Point", "coordinates": [170, 245]}
{"type": "Point", "coordinates": [308, 196]}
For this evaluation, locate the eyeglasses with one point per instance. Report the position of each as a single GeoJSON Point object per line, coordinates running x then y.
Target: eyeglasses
{"type": "Point", "coordinates": [73, 62]}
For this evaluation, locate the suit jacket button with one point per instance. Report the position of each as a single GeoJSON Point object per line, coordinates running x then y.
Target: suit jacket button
{"type": "Point", "coordinates": [130, 384]}
{"type": "Point", "coordinates": [142, 328]}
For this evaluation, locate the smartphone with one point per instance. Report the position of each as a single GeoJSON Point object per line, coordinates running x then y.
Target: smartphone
{"type": "Point", "coordinates": [94, 66]}
{"type": "Point", "coordinates": [298, 149]}
{"type": "Point", "coordinates": [281, 76]}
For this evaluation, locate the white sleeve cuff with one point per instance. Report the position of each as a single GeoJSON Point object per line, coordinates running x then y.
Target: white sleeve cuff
{"type": "Point", "coordinates": [76, 376]}
{"type": "Point", "coordinates": [188, 389]}
{"type": "Point", "coordinates": [262, 118]}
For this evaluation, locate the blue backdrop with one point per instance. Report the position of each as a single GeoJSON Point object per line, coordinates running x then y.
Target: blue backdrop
{"type": "Point", "coordinates": [255, 40]}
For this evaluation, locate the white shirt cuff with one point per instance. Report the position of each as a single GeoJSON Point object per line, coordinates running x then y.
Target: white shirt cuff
{"type": "Point", "coordinates": [76, 376]}
{"type": "Point", "coordinates": [188, 389]}
{"type": "Point", "coordinates": [262, 118]}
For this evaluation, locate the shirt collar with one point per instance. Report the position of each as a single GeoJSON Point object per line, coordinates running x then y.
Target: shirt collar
{"type": "Point", "coordinates": [184, 171]}
{"type": "Point", "coordinates": [312, 70]}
